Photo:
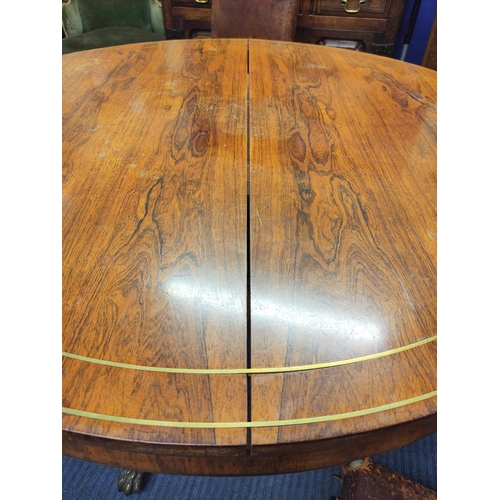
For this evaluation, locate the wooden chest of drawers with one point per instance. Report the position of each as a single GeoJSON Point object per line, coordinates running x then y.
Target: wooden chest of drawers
{"type": "Point", "coordinates": [373, 24]}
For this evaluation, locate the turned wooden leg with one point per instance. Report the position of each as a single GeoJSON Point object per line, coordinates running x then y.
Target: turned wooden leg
{"type": "Point", "coordinates": [130, 481]}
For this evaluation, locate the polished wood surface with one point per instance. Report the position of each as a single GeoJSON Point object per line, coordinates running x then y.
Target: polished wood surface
{"type": "Point", "coordinates": [154, 202]}
{"type": "Point", "coordinates": [343, 235]}
{"type": "Point", "coordinates": [210, 332]}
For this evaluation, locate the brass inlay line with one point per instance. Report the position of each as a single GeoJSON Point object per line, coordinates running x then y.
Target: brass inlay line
{"type": "Point", "coordinates": [231, 425]}
{"type": "Point", "coordinates": [242, 371]}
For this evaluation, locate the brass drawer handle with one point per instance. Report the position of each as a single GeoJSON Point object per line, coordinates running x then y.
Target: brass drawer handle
{"type": "Point", "coordinates": [344, 4]}
{"type": "Point", "coordinates": [201, 1]}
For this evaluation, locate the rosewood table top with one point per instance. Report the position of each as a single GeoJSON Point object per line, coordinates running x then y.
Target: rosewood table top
{"type": "Point", "coordinates": [249, 256]}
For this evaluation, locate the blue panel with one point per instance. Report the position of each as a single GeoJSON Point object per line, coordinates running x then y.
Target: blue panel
{"type": "Point", "coordinates": [422, 31]}
{"type": "Point", "coordinates": [402, 29]}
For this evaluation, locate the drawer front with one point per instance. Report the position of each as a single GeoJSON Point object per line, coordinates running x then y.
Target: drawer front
{"type": "Point", "coordinates": [352, 7]}
{"type": "Point", "coordinates": [192, 3]}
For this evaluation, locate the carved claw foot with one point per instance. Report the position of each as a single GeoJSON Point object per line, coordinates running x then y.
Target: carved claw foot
{"type": "Point", "coordinates": [130, 481]}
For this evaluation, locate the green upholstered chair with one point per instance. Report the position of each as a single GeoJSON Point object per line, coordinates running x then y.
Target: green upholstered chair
{"type": "Point", "coordinates": [91, 24]}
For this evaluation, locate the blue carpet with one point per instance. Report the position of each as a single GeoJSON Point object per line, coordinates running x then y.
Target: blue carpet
{"type": "Point", "coordinates": [88, 481]}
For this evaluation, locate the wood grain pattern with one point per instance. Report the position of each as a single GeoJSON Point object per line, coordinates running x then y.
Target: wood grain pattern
{"type": "Point", "coordinates": [166, 269]}
{"type": "Point", "coordinates": [154, 256]}
{"type": "Point", "coordinates": [343, 229]}
{"type": "Point", "coordinates": [154, 209]}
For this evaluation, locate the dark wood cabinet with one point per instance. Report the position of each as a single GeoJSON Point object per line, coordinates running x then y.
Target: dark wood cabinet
{"type": "Point", "coordinates": [329, 7]}
{"type": "Point", "coordinates": [370, 24]}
